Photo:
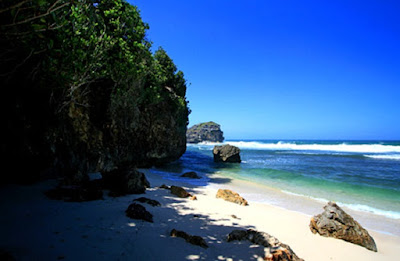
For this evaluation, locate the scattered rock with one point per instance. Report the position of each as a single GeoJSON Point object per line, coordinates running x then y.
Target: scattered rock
{"type": "Point", "coordinates": [207, 131]}
{"type": "Point", "coordinates": [193, 197]}
{"type": "Point", "coordinates": [231, 196]}
{"type": "Point", "coordinates": [226, 153]}
{"type": "Point", "coordinates": [151, 202]}
{"type": "Point", "coordinates": [163, 186]}
{"type": "Point", "coordinates": [137, 211]}
{"type": "Point", "coordinates": [275, 250]}
{"type": "Point", "coordinates": [179, 191]}
{"type": "Point", "coordinates": [194, 240]}
{"type": "Point", "coordinates": [191, 174]}
{"type": "Point", "coordinates": [90, 190]}
{"type": "Point", "coordinates": [334, 222]}
{"type": "Point", "coordinates": [125, 181]}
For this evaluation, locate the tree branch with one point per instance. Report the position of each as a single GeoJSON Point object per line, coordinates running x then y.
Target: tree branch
{"type": "Point", "coordinates": [49, 11]}
{"type": "Point", "coordinates": [14, 6]}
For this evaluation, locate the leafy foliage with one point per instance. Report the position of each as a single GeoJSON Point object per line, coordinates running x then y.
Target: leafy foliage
{"type": "Point", "coordinates": [89, 64]}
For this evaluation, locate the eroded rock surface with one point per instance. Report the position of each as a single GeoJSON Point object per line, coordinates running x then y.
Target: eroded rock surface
{"type": "Point", "coordinates": [274, 249]}
{"type": "Point", "coordinates": [149, 201]}
{"type": "Point", "coordinates": [137, 211]}
{"type": "Point", "coordinates": [334, 222]}
{"type": "Point", "coordinates": [231, 196]}
{"type": "Point", "coordinates": [207, 131]}
{"type": "Point", "coordinates": [226, 153]}
{"type": "Point", "coordinates": [125, 181]}
{"type": "Point", "coordinates": [194, 240]}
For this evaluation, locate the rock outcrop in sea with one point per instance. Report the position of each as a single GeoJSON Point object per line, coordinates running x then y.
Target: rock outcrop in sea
{"type": "Point", "coordinates": [226, 153]}
{"type": "Point", "coordinates": [207, 131]}
{"type": "Point", "coordinates": [334, 222]}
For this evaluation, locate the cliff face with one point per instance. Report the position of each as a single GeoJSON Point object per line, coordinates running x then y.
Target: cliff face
{"type": "Point", "coordinates": [207, 131]}
{"type": "Point", "coordinates": [98, 137]}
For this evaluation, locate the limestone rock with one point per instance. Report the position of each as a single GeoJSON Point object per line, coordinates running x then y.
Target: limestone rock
{"type": "Point", "coordinates": [334, 222]}
{"type": "Point", "coordinates": [226, 153]}
{"type": "Point", "coordinates": [125, 181]}
{"type": "Point", "coordinates": [207, 131]}
{"type": "Point", "coordinates": [194, 240]}
{"type": "Point", "coordinates": [274, 249]}
{"type": "Point", "coordinates": [231, 196]}
{"type": "Point", "coordinates": [190, 174]}
{"type": "Point", "coordinates": [137, 211]}
{"type": "Point", "coordinates": [151, 202]}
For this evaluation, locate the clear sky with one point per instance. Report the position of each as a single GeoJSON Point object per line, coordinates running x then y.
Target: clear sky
{"type": "Point", "coordinates": [285, 69]}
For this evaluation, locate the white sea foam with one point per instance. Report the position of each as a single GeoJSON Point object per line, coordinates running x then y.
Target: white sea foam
{"type": "Point", "coordinates": [356, 207]}
{"type": "Point", "coordinates": [343, 147]}
{"type": "Point", "coordinates": [390, 157]}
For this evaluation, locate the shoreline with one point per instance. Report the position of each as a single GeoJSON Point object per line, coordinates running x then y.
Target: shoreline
{"type": "Point", "coordinates": [292, 226]}
{"type": "Point", "coordinates": [307, 205]}
{"type": "Point", "coordinates": [35, 227]}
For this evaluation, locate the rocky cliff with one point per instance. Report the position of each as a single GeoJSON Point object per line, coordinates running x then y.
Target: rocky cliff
{"type": "Point", "coordinates": [207, 131]}
{"type": "Point", "coordinates": [111, 102]}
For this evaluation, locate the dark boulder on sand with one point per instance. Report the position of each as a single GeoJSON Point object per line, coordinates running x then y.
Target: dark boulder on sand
{"type": "Point", "coordinates": [124, 181]}
{"type": "Point", "coordinates": [226, 153]}
{"type": "Point", "coordinates": [182, 193]}
{"type": "Point", "coordinates": [190, 174]}
{"type": "Point", "coordinates": [149, 201]}
{"type": "Point", "coordinates": [179, 191]}
{"type": "Point", "coordinates": [194, 240]}
{"type": "Point", "coordinates": [334, 222]}
{"type": "Point", "coordinates": [274, 249]}
{"type": "Point", "coordinates": [137, 211]}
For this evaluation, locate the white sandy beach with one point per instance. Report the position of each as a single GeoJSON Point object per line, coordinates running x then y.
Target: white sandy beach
{"type": "Point", "coordinates": [36, 228]}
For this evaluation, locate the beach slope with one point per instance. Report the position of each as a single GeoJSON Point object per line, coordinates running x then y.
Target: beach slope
{"type": "Point", "coordinates": [36, 228]}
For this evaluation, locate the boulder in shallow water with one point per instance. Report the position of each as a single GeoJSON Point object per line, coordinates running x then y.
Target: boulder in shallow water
{"type": "Point", "coordinates": [334, 222]}
{"type": "Point", "coordinates": [226, 153]}
{"type": "Point", "coordinates": [137, 211]}
{"type": "Point", "coordinates": [231, 196]}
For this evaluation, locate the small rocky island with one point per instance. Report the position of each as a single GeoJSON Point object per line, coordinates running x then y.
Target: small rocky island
{"type": "Point", "coordinates": [207, 131]}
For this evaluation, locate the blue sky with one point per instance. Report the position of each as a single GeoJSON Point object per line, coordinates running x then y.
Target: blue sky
{"type": "Point", "coordinates": [285, 69]}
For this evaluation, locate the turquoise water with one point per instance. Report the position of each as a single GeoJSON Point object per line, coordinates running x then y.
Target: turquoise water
{"type": "Point", "coordinates": [362, 175]}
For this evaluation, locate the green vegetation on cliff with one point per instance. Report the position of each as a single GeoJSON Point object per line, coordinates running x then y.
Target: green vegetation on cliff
{"type": "Point", "coordinates": [82, 90]}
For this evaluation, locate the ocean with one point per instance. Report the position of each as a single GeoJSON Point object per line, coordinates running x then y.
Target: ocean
{"type": "Point", "coordinates": [363, 176]}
